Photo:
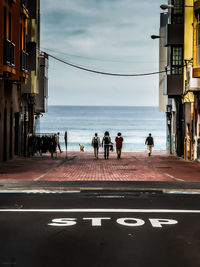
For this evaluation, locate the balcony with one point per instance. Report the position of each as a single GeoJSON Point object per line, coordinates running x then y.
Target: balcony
{"type": "Point", "coordinates": [9, 53]}
{"type": "Point", "coordinates": [174, 34]}
{"type": "Point", "coordinates": [24, 5]}
{"type": "Point", "coordinates": [24, 57]}
{"type": "Point", "coordinates": [12, 2]}
{"type": "Point", "coordinates": [173, 85]}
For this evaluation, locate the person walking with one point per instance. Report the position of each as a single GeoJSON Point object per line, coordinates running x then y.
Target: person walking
{"type": "Point", "coordinates": [106, 143]}
{"type": "Point", "coordinates": [119, 140]}
{"type": "Point", "coordinates": [58, 141]}
{"type": "Point", "coordinates": [150, 143]}
{"type": "Point", "coordinates": [96, 144]}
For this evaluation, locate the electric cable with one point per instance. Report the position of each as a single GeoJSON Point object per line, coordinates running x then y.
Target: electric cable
{"type": "Point", "coordinates": [102, 72]}
{"type": "Point", "coordinates": [97, 59]}
{"type": "Point", "coordinates": [109, 73]}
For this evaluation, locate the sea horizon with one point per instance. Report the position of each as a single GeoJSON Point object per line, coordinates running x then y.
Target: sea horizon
{"type": "Point", "coordinates": [99, 106]}
{"type": "Point", "coordinates": [81, 122]}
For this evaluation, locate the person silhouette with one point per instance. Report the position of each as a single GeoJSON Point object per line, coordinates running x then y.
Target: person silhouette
{"type": "Point", "coordinates": [150, 143]}
{"type": "Point", "coordinates": [106, 144]}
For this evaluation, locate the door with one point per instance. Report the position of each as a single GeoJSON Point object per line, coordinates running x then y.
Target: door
{"type": "Point", "coordinates": [5, 135]}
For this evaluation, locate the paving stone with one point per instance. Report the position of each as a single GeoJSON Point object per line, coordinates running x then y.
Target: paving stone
{"type": "Point", "coordinates": [83, 166]}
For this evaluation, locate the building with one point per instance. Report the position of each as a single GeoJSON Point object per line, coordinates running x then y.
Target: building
{"type": "Point", "coordinates": [181, 83]}
{"type": "Point", "coordinates": [172, 33]}
{"type": "Point", "coordinates": [188, 96]}
{"type": "Point", "coordinates": [192, 81]}
{"type": "Point", "coordinates": [13, 73]}
{"type": "Point", "coordinates": [30, 90]}
{"type": "Point", "coordinates": [163, 99]}
{"type": "Point", "coordinates": [23, 75]}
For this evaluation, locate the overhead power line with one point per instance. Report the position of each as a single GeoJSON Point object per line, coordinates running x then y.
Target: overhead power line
{"type": "Point", "coordinates": [98, 59]}
{"type": "Point", "coordinates": [113, 74]}
{"type": "Point", "coordinates": [102, 72]}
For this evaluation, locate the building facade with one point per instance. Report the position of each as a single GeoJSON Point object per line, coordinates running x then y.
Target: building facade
{"type": "Point", "coordinates": [182, 84]}
{"type": "Point", "coordinates": [172, 86]}
{"type": "Point", "coordinates": [19, 74]}
{"type": "Point", "coordinates": [192, 80]}
{"type": "Point", "coordinates": [13, 73]}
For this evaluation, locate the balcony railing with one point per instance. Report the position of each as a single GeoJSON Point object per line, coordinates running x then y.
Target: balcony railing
{"type": "Point", "coordinates": [24, 57]}
{"type": "Point", "coordinates": [9, 53]}
{"type": "Point", "coordinates": [24, 4]}
{"type": "Point", "coordinates": [12, 2]}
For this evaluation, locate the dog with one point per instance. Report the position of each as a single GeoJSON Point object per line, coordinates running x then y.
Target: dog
{"type": "Point", "coordinates": [81, 147]}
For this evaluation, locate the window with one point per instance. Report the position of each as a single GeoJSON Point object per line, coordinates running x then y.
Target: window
{"type": "Point", "coordinates": [20, 36]}
{"type": "Point", "coordinates": [5, 22]}
{"type": "Point", "coordinates": [176, 60]}
{"type": "Point", "coordinates": [10, 27]}
{"type": "Point", "coordinates": [24, 39]}
{"type": "Point", "coordinates": [177, 12]}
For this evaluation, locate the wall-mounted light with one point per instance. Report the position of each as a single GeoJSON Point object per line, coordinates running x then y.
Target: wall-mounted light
{"type": "Point", "coordinates": [156, 37]}
{"type": "Point", "coordinates": [164, 6]}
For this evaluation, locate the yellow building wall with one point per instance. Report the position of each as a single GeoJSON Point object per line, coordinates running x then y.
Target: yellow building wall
{"type": "Point", "coordinates": [196, 68]}
{"type": "Point", "coordinates": [188, 44]}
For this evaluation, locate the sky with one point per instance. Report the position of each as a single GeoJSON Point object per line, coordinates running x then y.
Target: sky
{"type": "Point", "coordinates": [104, 35]}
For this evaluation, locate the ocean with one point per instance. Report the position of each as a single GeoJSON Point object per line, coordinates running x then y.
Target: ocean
{"type": "Point", "coordinates": [81, 122]}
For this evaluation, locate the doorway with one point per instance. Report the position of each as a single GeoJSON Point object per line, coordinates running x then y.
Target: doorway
{"type": "Point", "coordinates": [11, 133]}
{"type": "Point", "coordinates": [5, 135]}
{"type": "Point", "coordinates": [17, 133]}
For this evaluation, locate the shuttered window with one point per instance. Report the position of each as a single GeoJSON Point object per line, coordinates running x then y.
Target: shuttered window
{"type": "Point", "coordinates": [177, 60]}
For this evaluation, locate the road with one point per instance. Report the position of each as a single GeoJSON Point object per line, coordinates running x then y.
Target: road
{"type": "Point", "coordinates": [99, 228]}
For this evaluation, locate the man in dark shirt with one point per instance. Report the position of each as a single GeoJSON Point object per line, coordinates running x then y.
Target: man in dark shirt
{"type": "Point", "coordinates": [106, 141]}
{"type": "Point", "coordinates": [150, 143]}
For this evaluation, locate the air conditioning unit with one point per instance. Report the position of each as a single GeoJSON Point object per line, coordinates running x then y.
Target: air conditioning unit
{"type": "Point", "coordinates": [192, 84]}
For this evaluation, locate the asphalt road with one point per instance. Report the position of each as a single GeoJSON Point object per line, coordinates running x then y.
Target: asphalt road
{"type": "Point", "coordinates": [99, 229]}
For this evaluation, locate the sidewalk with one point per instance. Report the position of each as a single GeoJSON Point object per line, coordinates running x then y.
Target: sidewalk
{"type": "Point", "coordinates": [83, 167]}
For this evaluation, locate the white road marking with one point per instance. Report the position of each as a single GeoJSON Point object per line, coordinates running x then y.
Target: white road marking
{"type": "Point", "coordinates": [97, 222]}
{"type": "Point", "coordinates": [171, 176]}
{"type": "Point", "coordinates": [135, 222]}
{"type": "Point", "coordinates": [49, 171]}
{"type": "Point", "coordinates": [102, 210]}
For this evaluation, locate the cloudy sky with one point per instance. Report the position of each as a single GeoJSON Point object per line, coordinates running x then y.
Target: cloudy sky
{"type": "Point", "coordinates": [105, 35]}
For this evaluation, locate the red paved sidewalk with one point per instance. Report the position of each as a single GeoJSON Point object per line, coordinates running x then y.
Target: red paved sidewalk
{"type": "Point", "coordinates": [82, 166]}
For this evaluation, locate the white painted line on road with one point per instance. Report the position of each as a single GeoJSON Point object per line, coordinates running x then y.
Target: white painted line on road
{"type": "Point", "coordinates": [103, 210]}
{"type": "Point", "coordinates": [44, 174]}
{"type": "Point", "coordinates": [41, 191]}
{"type": "Point", "coordinates": [49, 171]}
{"type": "Point", "coordinates": [171, 176]}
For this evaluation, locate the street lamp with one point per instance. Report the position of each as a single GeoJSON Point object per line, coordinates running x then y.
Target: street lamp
{"type": "Point", "coordinates": [156, 37]}
{"type": "Point", "coordinates": [164, 6]}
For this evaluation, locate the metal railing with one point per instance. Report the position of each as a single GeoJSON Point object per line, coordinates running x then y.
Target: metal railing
{"type": "Point", "coordinates": [9, 53]}
{"type": "Point", "coordinates": [24, 57]}
{"type": "Point", "coordinates": [24, 4]}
